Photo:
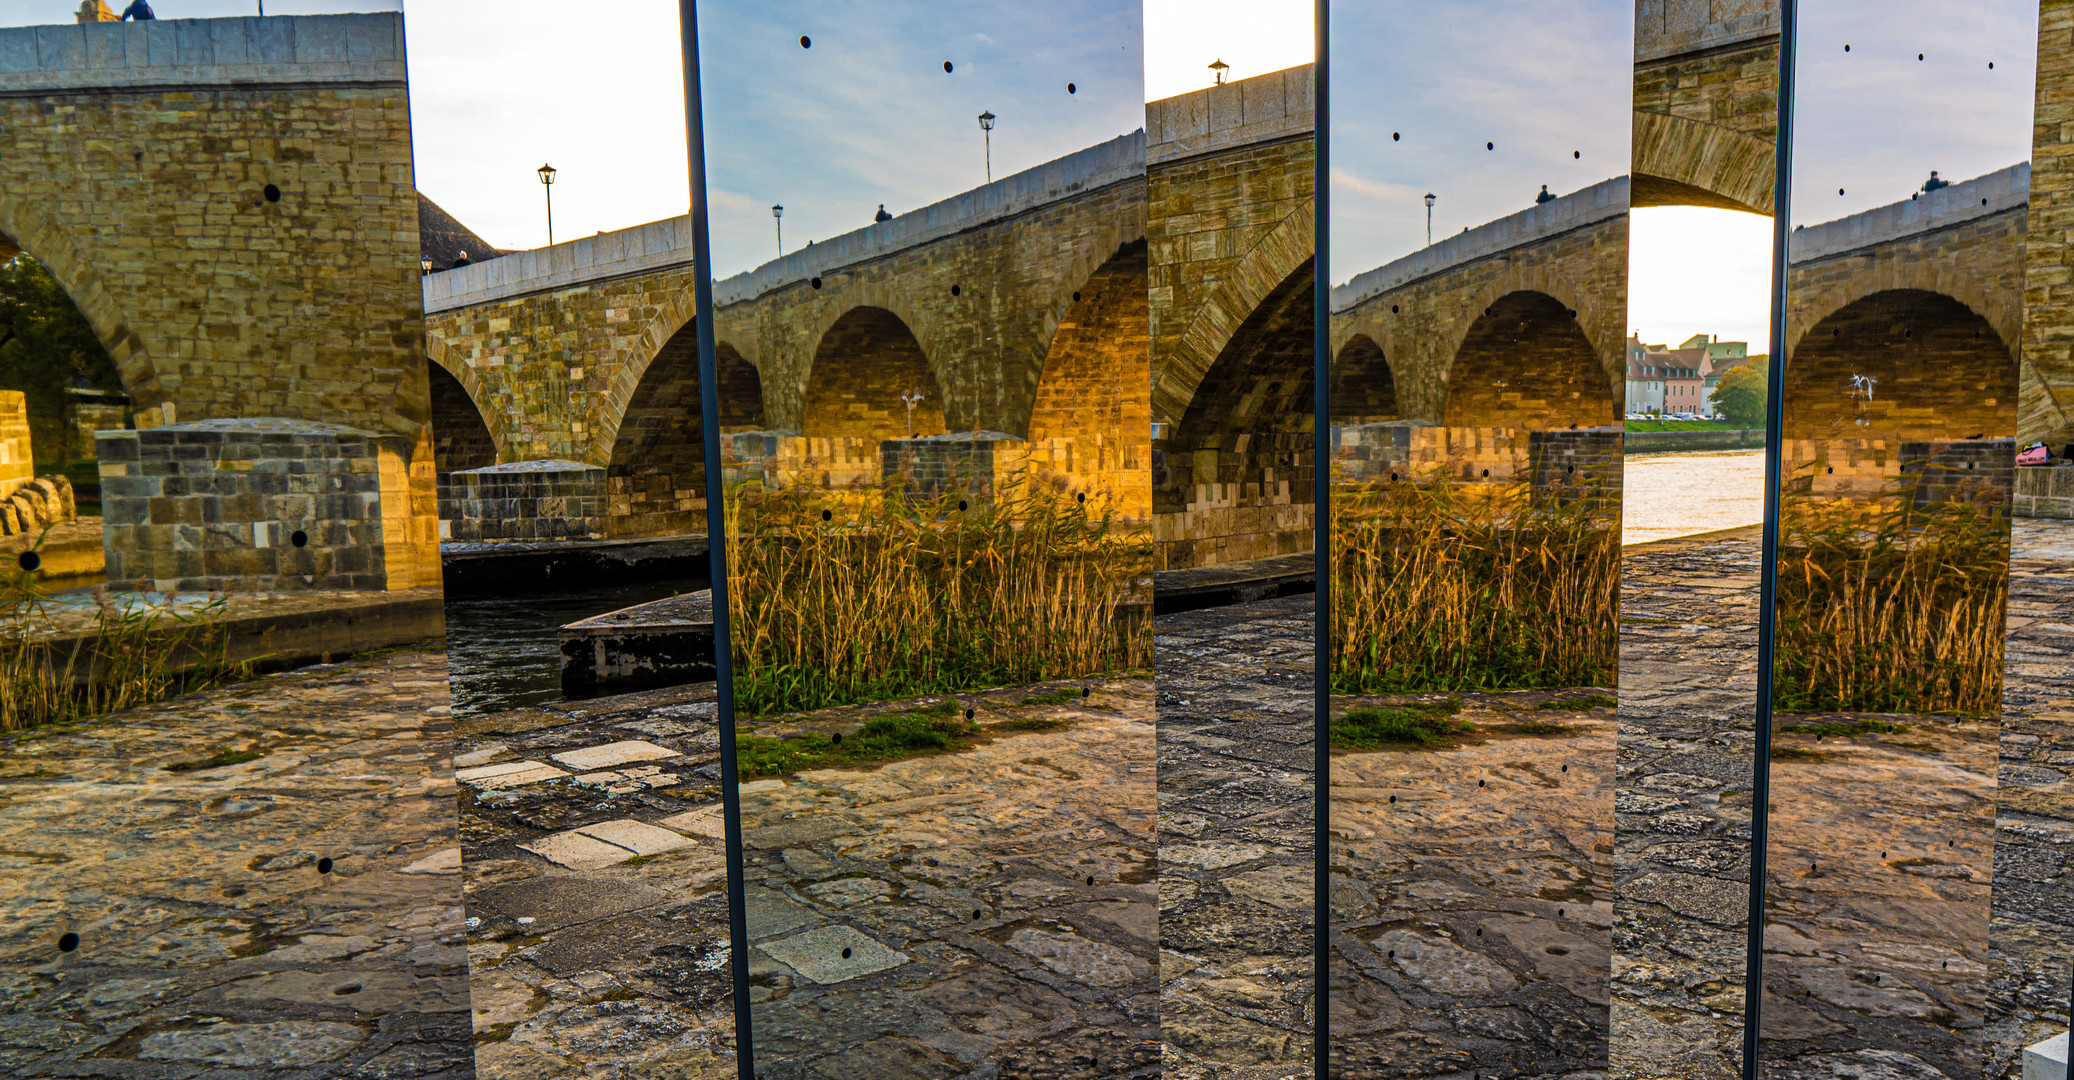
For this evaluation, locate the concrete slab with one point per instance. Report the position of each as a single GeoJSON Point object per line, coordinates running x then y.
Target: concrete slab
{"type": "Point", "coordinates": [706, 821]}
{"type": "Point", "coordinates": [508, 774]}
{"type": "Point", "coordinates": [474, 758]}
{"type": "Point", "coordinates": [439, 862]}
{"type": "Point", "coordinates": [638, 837]}
{"type": "Point", "coordinates": [2047, 1060]}
{"type": "Point", "coordinates": [593, 758]}
{"type": "Point", "coordinates": [575, 851]}
{"type": "Point", "coordinates": [833, 954]}
{"type": "Point", "coordinates": [771, 913]}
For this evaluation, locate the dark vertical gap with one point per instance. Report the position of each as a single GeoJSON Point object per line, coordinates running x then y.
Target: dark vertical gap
{"type": "Point", "coordinates": [1768, 564]}
{"type": "Point", "coordinates": [1321, 524]}
{"type": "Point", "coordinates": [716, 535]}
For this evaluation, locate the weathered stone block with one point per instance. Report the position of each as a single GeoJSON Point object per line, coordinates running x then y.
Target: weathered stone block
{"type": "Point", "coordinates": [523, 500]}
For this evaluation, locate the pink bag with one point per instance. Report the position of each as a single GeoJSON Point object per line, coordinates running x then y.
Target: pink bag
{"type": "Point", "coordinates": [2034, 454]}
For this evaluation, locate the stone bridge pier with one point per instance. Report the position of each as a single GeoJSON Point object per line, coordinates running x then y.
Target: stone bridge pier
{"type": "Point", "coordinates": [229, 203]}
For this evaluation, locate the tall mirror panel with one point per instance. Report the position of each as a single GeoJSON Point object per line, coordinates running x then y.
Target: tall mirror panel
{"type": "Point", "coordinates": [565, 414]}
{"type": "Point", "coordinates": [1700, 253]}
{"type": "Point", "coordinates": [1904, 296]}
{"type": "Point", "coordinates": [932, 320]}
{"type": "Point", "coordinates": [227, 830]}
{"type": "Point", "coordinates": [1479, 223]}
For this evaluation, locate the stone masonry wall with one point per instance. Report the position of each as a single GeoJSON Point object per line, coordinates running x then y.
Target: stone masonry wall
{"type": "Point", "coordinates": [17, 460]}
{"type": "Point", "coordinates": [523, 500]}
{"type": "Point", "coordinates": [2045, 401]}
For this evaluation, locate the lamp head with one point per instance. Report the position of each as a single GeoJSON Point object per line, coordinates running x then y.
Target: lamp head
{"type": "Point", "coordinates": [547, 174]}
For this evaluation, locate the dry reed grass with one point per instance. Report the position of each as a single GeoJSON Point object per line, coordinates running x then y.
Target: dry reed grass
{"type": "Point", "coordinates": [1884, 607]}
{"type": "Point", "coordinates": [837, 599]}
{"type": "Point", "coordinates": [1441, 585]}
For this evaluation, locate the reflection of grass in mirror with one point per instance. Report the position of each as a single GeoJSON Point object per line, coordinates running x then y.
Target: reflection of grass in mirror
{"type": "Point", "coordinates": [1411, 724]}
{"type": "Point", "coordinates": [884, 738]}
{"type": "Point", "coordinates": [1853, 730]}
{"type": "Point", "coordinates": [1443, 585]}
{"type": "Point", "coordinates": [1589, 701]}
{"type": "Point", "coordinates": [1891, 609]}
{"type": "Point", "coordinates": [898, 595]}
{"type": "Point", "coordinates": [135, 654]}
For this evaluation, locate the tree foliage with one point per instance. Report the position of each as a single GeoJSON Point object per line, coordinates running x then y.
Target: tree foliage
{"type": "Point", "coordinates": [1740, 393]}
{"type": "Point", "coordinates": [46, 345]}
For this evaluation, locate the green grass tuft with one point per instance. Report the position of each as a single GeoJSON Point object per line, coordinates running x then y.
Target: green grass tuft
{"type": "Point", "coordinates": [1416, 724]}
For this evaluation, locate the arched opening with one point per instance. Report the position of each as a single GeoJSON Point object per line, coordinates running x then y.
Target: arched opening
{"type": "Point", "coordinates": [862, 367]}
{"type": "Point", "coordinates": [1363, 391]}
{"type": "Point", "coordinates": [1901, 364]}
{"type": "Point", "coordinates": [655, 482]}
{"type": "Point", "coordinates": [460, 438]}
{"type": "Point", "coordinates": [741, 390]}
{"type": "Point", "coordinates": [1525, 363]}
{"type": "Point", "coordinates": [1241, 456]}
{"type": "Point", "coordinates": [58, 386]}
{"type": "Point", "coordinates": [1095, 374]}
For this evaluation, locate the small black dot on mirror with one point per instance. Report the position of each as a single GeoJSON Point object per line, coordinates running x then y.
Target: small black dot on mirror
{"type": "Point", "coordinates": [1991, 65]}
{"type": "Point", "coordinates": [1076, 296]}
{"type": "Point", "coordinates": [68, 941]}
{"type": "Point", "coordinates": [1084, 691]}
{"type": "Point", "coordinates": [962, 504]}
{"type": "Point", "coordinates": [1572, 311]}
{"type": "Point", "coordinates": [946, 67]}
{"type": "Point", "coordinates": [1393, 798]}
{"type": "Point", "coordinates": [1983, 202]}
{"type": "Point", "coordinates": [836, 739]}
{"type": "Point", "coordinates": [1487, 473]}
{"type": "Point", "coordinates": [272, 193]}
{"type": "Point", "coordinates": [1393, 954]}
{"type": "Point", "coordinates": [1839, 191]}
{"type": "Point", "coordinates": [1072, 89]}
{"type": "Point", "coordinates": [299, 538]}
{"type": "Point", "coordinates": [846, 953]}
{"type": "Point", "coordinates": [324, 865]}
{"type": "Point", "coordinates": [1847, 48]}
{"type": "Point", "coordinates": [1566, 768]}
{"type": "Point", "coordinates": [1487, 311]}
{"type": "Point", "coordinates": [805, 42]}
{"type": "Point", "coordinates": [975, 915]}
{"type": "Point", "coordinates": [1394, 136]}
{"type": "Point", "coordinates": [1919, 56]}
{"type": "Point", "coordinates": [1479, 931]}
{"type": "Point", "coordinates": [1559, 913]}
{"type": "Point", "coordinates": [29, 560]}
{"type": "Point", "coordinates": [1394, 309]}
{"type": "Point", "coordinates": [969, 713]}
{"type": "Point", "coordinates": [1479, 783]}
{"type": "Point", "coordinates": [954, 290]}
{"type": "Point", "coordinates": [1090, 879]}
{"type": "Point", "coordinates": [816, 283]}
{"type": "Point", "coordinates": [1490, 146]}
{"type": "Point", "coordinates": [827, 515]}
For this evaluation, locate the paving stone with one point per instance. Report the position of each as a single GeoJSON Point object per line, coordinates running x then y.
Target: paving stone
{"type": "Point", "coordinates": [1079, 959]}
{"type": "Point", "coordinates": [709, 822]}
{"type": "Point", "coordinates": [833, 954]}
{"type": "Point", "coordinates": [291, 1043]}
{"type": "Point", "coordinates": [576, 851]}
{"type": "Point", "coordinates": [439, 862]}
{"type": "Point", "coordinates": [611, 754]}
{"type": "Point", "coordinates": [479, 756]}
{"type": "Point", "coordinates": [638, 837]}
{"type": "Point", "coordinates": [508, 774]}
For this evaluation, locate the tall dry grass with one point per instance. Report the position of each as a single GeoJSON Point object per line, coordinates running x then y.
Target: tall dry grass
{"type": "Point", "coordinates": [1443, 585]}
{"type": "Point", "coordinates": [1884, 607]}
{"type": "Point", "coordinates": [136, 654]}
{"type": "Point", "coordinates": [875, 596]}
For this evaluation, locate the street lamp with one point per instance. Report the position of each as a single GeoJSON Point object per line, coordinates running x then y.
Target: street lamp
{"type": "Point", "coordinates": [547, 184]}
{"type": "Point", "coordinates": [778, 219]}
{"type": "Point", "coordinates": [425, 264]}
{"type": "Point", "coordinates": [1217, 69]}
{"type": "Point", "coordinates": [986, 124]}
{"type": "Point", "coordinates": [1429, 219]}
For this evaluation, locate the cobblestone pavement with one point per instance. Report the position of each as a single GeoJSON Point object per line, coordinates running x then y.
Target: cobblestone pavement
{"type": "Point", "coordinates": [596, 875]}
{"type": "Point", "coordinates": [211, 940]}
{"type": "Point", "coordinates": [986, 914]}
{"type": "Point", "coordinates": [1471, 900]}
{"type": "Point", "coordinates": [1683, 779]}
{"type": "Point", "coordinates": [1236, 810]}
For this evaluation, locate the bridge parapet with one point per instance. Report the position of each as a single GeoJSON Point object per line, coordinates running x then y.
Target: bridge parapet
{"type": "Point", "coordinates": [203, 52]}
{"type": "Point", "coordinates": [1603, 201]}
{"type": "Point", "coordinates": [1665, 28]}
{"type": "Point", "coordinates": [658, 245]}
{"type": "Point", "coordinates": [1278, 105]}
{"type": "Point", "coordinates": [1969, 200]}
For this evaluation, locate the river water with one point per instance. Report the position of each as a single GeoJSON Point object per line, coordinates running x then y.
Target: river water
{"type": "Point", "coordinates": [503, 652]}
{"type": "Point", "coordinates": [1679, 494]}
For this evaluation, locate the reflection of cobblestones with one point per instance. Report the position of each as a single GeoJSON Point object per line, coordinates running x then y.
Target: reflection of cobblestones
{"type": "Point", "coordinates": [2032, 930]}
{"type": "Point", "coordinates": [1470, 895]}
{"type": "Point", "coordinates": [597, 889]}
{"type": "Point", "coordinates": [209, 942]}
{"type": "Point", "coordinates": [1688, 687]}
{"type": "Point", "coordinates": [984, 913]}
{"type": "Point", "coordinates": [1236, 812]}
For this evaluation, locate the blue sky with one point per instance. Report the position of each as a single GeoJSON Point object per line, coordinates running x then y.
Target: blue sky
{"type": "Point", "coordinates": [1537, 79]}
{"type": "Point", "coordinates": [1875, 120]}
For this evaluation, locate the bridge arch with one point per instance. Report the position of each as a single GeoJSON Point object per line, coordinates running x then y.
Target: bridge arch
{"type": "Point", "coordinates": [1678, 161]}
{"type": "Point", "coordinates": [1941, 370]}
{"type": "Point", "coordinates": [461, 438]}
{"type": "Point", "coordinates": [25, 230]}
{"type": "Point", "coordinates": [655, 479]}
{"type": "Point", "coordinates": [1526, 362]}
{"type": "Point", "coordinates": [1093, 380]}
{"type": "Point", "coordinates": [1267, 268]}
{"type": "Point", "coordinates": [863, 362]}
{"type": "Point", "coordinates": [1363, 389]}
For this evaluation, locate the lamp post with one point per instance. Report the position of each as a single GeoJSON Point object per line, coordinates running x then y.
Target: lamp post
{"type": "Point", "coordinates": [425, 265]}
{"type": "Point", "coordinates": [912, 398]}
{"type": "Point", "coordinates": [778, 219]}
{"type": "Point", "coordinates": [1217, 69]}
{"type": "Point", "coordinates": [986, 124]}
{"type": "Point", "coordinates": [1429, 219]}
{"type": "Point", "coordinates": [547, 184]}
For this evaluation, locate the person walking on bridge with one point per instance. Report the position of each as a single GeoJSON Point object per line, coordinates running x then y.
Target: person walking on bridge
{"type": "Point", "coordinates": [138, 10]}
{"type": "Point", "coordinates": [1544, 196]}
{"type": "Point", "coordinates": [1934, 183]}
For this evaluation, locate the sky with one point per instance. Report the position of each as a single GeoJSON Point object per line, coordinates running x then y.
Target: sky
{"type": "Point", "coordinates": [1875, 120]}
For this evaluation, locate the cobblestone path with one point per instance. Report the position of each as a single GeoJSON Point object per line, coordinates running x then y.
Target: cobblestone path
{"type": "Point", "coordinates": [1235, 851]}
{"type": "Point", "coordinates": [296, 914]}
